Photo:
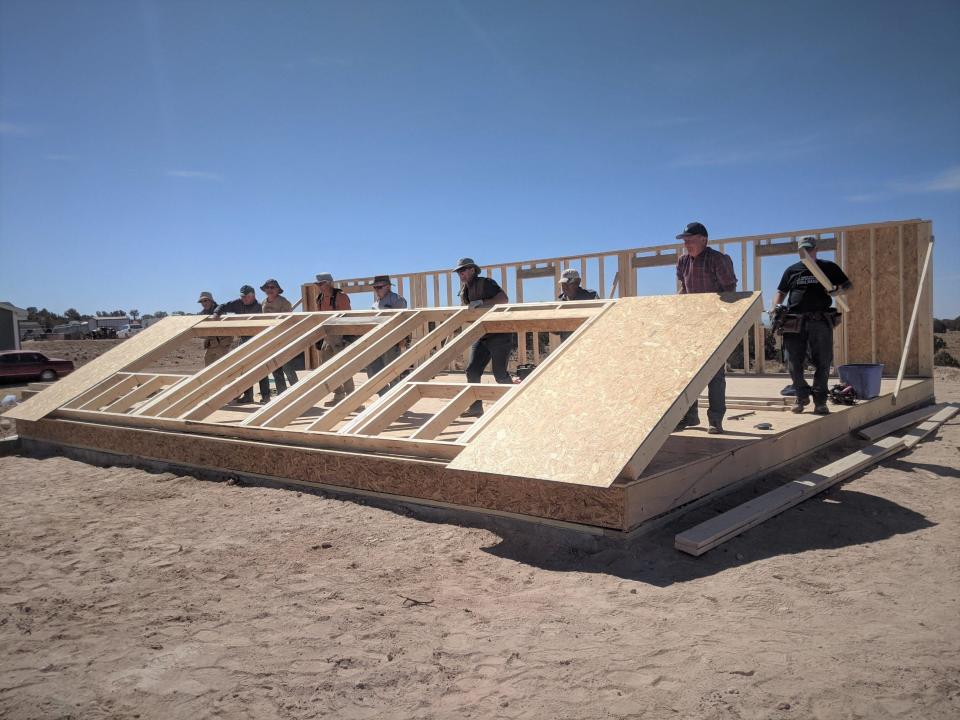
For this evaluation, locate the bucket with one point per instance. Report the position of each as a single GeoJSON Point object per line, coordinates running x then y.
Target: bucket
{"type": "Point", "coordinates": [865, 378]}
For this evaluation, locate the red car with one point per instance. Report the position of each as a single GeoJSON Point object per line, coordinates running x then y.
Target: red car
{"type": "Point", "coordinates": [19, 365]}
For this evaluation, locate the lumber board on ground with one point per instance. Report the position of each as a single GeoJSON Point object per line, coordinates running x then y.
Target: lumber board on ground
{"type": "Point", "coordinates": [134, 352]}
{"type": "Point", "coordinates": [899, 422]}
{"type": "Point", "coordinates": [640, 371]}
{"type": "Point", "coordinates": [717, 530]}
{"type": "Point", "coordinates": [915, 435]}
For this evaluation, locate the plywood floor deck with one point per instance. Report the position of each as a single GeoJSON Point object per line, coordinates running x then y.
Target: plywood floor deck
{"type": "Point", "coordinates": [692, 444]}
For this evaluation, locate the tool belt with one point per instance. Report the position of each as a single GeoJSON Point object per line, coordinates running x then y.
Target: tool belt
{"type": "Point", "coordinates": [790, 323]}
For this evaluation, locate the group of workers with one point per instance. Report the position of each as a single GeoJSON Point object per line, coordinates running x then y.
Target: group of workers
{"type": "Point", "coordinates": [802, 305]}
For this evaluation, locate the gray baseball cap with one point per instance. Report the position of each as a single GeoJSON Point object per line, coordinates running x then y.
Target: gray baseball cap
{"type": "Point", "coordinates": [206, 296]}
{"type": "Point", "coordinates": [324, 277]}
{"type": "Point", "coordinates": [569, 275]}
{"type": "Point", "coordinates": [809, 242]}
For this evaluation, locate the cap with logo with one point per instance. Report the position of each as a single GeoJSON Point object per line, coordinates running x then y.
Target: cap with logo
{"type": "Point", "coordinates": [691, 229]}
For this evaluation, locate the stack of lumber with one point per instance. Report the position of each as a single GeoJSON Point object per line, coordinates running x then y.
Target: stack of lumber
{"type": "Point", "coordinates": [711, 533]}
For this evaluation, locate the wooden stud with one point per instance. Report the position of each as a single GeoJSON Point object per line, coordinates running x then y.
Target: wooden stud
{"type": "Point", "coordinates": [382, 415]}
{"type": "Point", "coordinates": [171, 402]}
{"type": "Point", "coordinates": [450, 412]}
{"type": "Point", "coordinates": [325, 379]}
{"type": "Point", "coordinates": [443, 332]}
{"type": "Point", "coordinates": [142, 392]}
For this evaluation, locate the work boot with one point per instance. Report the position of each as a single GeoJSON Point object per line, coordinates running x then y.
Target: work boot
{"type": "Point", "coordinates": [821, 409]}
{"type": "Point", "coordinates": [475, 410]}
{"type": "Point", "coordinates": [687, 422]}
{"type": "Point", "coordinates": [715, 430]}
{"type": "Point", "coordinates": [799, 404]}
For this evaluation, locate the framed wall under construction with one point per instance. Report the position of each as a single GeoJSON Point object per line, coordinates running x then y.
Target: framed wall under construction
{"type": "Point", "coordinates": [883, 260]}
{"type": "Point", "coordinates": [588, 438]}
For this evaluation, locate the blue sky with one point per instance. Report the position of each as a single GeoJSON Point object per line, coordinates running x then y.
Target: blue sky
{"type": "Point", "coordinates": [149, 150]}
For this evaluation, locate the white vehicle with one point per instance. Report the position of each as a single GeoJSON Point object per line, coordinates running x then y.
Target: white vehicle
{"type": "Point", "coordinates": [129, 330]}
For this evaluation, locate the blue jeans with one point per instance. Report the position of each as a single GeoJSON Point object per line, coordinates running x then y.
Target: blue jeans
{"type": "Point", "coordinates": [717, 394]}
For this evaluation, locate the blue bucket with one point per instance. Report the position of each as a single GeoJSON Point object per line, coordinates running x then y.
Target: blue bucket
{"type": "Point", "coordinates": [865, 378]}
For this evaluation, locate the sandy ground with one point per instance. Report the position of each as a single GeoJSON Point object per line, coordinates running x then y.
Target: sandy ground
{"type": "Point", "coordinates": [126, 594]}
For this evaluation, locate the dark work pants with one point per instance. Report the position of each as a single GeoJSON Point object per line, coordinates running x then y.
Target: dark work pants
{"type": "Point", "coordinates": [816, 340]}
{"type": "Point", "coordinates": [717, 393]}
{"type": "Point", "coordinates": [496, 348]}
{"type": "Point", "coordinates": [247, 396]}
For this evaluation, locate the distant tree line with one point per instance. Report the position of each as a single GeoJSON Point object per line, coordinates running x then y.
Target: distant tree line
{"type": "Point", "coordinates": [49, 319]}
{"type": "Point", "coordinates": [942, 326]}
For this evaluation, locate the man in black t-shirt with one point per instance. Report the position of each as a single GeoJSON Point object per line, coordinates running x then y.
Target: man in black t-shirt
{"type": "Point", "coordinates": [809, 327]}
{"type": "Point", "coordinates": [478, 291]}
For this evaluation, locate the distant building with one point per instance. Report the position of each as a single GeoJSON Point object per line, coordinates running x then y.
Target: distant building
{"type": "Point", "coordinates": [10, 317]}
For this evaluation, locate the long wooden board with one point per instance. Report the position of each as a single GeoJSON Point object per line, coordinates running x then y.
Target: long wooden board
{"type": "Point", "coordinates": [915, 435]}
{"type": "Point", "coordinates": [612, 398]}
{"type": "Point", "coordinates": [899, 422]}
{"type": "Point", "coordinates": [717, 530]}
{"type": "Point", "coordinates": [127, 355]}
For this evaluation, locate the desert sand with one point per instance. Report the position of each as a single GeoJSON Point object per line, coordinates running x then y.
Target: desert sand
{"type": "Point", "coordinates": [126, 594]}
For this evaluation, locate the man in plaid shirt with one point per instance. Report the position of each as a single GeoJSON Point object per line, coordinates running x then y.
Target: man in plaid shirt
{"type": "Point", "coordinates": [704, 270]}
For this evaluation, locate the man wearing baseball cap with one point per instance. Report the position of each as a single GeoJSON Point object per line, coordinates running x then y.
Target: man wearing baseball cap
{"type": "Point", "coordinates": [214, 348]}
{"type": "Point", "coordinates": [384, 298]}
{"type": "Point", "coordinates": [570, 287]}
{"type": "Point", "coordinates": [809, 319]}
{"type": "Point", "coordinates": [704, 270]}
{"type": "Point", "coordinates": [246, 304]}
{"type": "Point", "coordinates": [570, 290]}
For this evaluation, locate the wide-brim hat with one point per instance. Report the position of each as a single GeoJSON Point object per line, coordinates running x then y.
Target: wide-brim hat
{"type": "Point", "coordinates": [464, 263]}
{"type": "Point", "coordinates": [382, 280]}
{"type": "Point", "coordinates": [271, 281]}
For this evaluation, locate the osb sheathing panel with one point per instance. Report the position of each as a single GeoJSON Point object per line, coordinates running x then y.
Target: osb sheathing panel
{"type": "Point", "coordinates": [606, 399]}
{"type": "Point", "coordinates": [602, 507]}
{"type": "Point", "coordinates": [857, 321]}
{"type": "Point", "coordinates": [888, 288]}
{"type": "Point", "coordinates": [893, 289]}
{"type": "Point", "coordinates": [910, 279]}
{"type": "Point", "coordinates": [127, 353]}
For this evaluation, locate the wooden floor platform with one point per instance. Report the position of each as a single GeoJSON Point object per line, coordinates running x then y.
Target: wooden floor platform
{"type": "Point", "coordinates": [689, 466]}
